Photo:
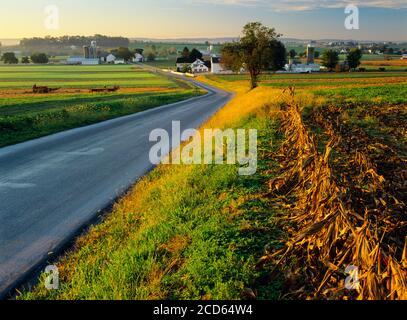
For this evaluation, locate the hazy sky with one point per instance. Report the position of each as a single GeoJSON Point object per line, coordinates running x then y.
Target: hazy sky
{"type": "Point", "coordinates": [379, 19]}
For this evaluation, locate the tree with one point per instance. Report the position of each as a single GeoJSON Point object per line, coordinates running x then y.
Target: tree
{"type": "Point", "coordinates": [151, 55]}
{"type": "Point", "coordinates": [41, 58]}
{"type": "Point", "coordinates": [9, 58]}
{"type": "Point", "coordinates": [123, 53]}
{"type": "Point", "coordinates": [353, 58]}
{"type": "Point", "coordinates": [292, 53]}
{"type": "Point", "coordinates": [25, 60]}
{"type": "Point", "coordinates": [139, 51]}
{"type": "Point", "coordinates": [257, 50]}
{"type": "Point", "coordinates": [330, 59]}
{"type": "Point", "coordinates": [185, 53]}
{"type": "Point", "coordinates": [278, 55]}
{"type": "Point", "coordinates": [195, 54]}
{"type": "Point", "coordinates": [317, 54]}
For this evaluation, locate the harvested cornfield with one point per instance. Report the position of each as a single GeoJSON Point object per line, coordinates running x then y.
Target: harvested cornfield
{"type": "Point", "coordinates": [344, 197]}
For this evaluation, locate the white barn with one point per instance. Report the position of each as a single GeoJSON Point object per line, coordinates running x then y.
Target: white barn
{"type": "Point", "coordinates": [302, 68]}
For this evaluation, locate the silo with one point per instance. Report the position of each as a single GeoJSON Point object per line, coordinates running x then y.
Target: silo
{"type": "Point", "coordinates": [310, 54]}
{"type": "Point", "coordinates": [86, 52]}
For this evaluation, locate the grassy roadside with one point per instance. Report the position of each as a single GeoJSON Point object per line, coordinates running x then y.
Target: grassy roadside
{"type": "Point", "coordinates": [201, 242]}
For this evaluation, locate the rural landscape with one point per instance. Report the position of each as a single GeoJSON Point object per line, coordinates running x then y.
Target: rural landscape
{"type": "Point", "coordinates": [322, 218]}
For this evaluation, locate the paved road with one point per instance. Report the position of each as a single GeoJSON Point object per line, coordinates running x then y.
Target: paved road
{"type": "Point", "coordinates": [53, 186]}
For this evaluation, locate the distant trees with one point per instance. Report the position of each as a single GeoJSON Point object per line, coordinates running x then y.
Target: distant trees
{"type": "Point", "coordinates": [354, 57]}
{"type": "Point", "coordinates": [9, 58]}
{"type": "Point", "coordinates": [40, 58]}
{"type": "Point", "coordinates": [25, 60]}
{"type": "Point", "coordinates": [257, 50]}
{"type": "Point", "coordinates": [330, 59]}
{"type": "Point", "coordinates": [103, 41]}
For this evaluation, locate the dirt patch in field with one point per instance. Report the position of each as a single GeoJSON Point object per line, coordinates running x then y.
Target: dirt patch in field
{"type": "Point", "coordinates": [26, 93]}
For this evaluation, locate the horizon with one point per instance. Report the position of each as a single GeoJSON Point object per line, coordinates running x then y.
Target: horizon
{"type": "Point", "coordinates": [183, 19]}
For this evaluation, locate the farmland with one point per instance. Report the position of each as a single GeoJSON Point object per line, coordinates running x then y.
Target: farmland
{"type": "Point", "coordinates": [329, 192]}
{"type": "Point", "coordinates": [25, 115]}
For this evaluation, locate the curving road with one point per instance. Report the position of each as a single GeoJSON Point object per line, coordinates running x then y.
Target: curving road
{"type": "Point", "coordinates": [52, 187]}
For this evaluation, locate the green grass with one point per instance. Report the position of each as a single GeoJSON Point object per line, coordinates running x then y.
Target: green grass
{"type": "Point", "coordinates": [163, 64]}
{"type": "Point", "coordinates": [390, 93]}
{"type": "Point", "coordinates": [19, 123]}
{"type": "Point", "coordinates": [24, 77]}
{"type": "Point", "coordinates": [200, 242]}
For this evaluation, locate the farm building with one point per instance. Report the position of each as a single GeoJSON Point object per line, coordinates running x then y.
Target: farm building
{"type": "Point", "coordinates": [89, 56]}
{"type": "Point", "coordinates": [302, 68]}
{"type": "Point", "coordinates": [110, 58]}
{"type": "Point", "coordinates": [199, 67]}
{"type": "Point", "coordinates": [216, 66]}
{"type": "Point", "coordinates": [82, 61]}
{"type": "Point", "coordinates": [183, 63]}
{"type": "Point", "coordinates": [119, 61]}
{"type": "Point", "coordinates": [138, 58]}
{"type": "Point", "coordinates": [404, 56]}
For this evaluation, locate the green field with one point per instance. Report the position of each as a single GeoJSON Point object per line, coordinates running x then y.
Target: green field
{"type": "Point", "coordinates": [163, 64]}
{"type": "Point", "coordinates": [23, 77]}
{"type": "Point", "coordinates": [26, 116]}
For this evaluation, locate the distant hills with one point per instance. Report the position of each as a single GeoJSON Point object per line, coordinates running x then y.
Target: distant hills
{"type": "Point", "coordinates": [218, 40]}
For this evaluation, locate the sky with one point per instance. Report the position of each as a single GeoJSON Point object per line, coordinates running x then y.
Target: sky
{"type": "Point", "coordinates": [305, 19]}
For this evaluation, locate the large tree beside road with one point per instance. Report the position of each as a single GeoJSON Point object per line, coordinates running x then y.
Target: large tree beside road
{"type": "Point", "coordinates": [258, 50]}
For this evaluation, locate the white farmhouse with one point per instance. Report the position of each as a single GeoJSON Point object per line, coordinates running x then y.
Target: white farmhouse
{"type": "Point", "coordinates": [199, 67]}
{"type": "Point", "coordinates": [404, 56]}
{"type": "Point", "coordinates": [138, 58]}
{"type": "Point", "coordinates": [110, 58]}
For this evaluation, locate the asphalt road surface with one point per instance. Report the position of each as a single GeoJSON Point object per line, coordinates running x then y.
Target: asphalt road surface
{"type": "Point", "coordinates": [53, 186]}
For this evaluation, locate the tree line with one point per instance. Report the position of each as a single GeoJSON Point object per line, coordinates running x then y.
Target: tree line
{"type": "Point", "coordinates": [103, 41]}
{"type": "Point", "coordinates": [10, 58]}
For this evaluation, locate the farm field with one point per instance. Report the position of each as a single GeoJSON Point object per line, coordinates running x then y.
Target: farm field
{"type": "Point", "coordinates": [163, 64]}
{"type": "Point", "coordinates": [24, 77]}
{"type": "Point", "coordinates": [329, 192]}
{"type": "Point", "coordinates": [320, 81]}
{"type": "Point", "coordinates": [25, 115]}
